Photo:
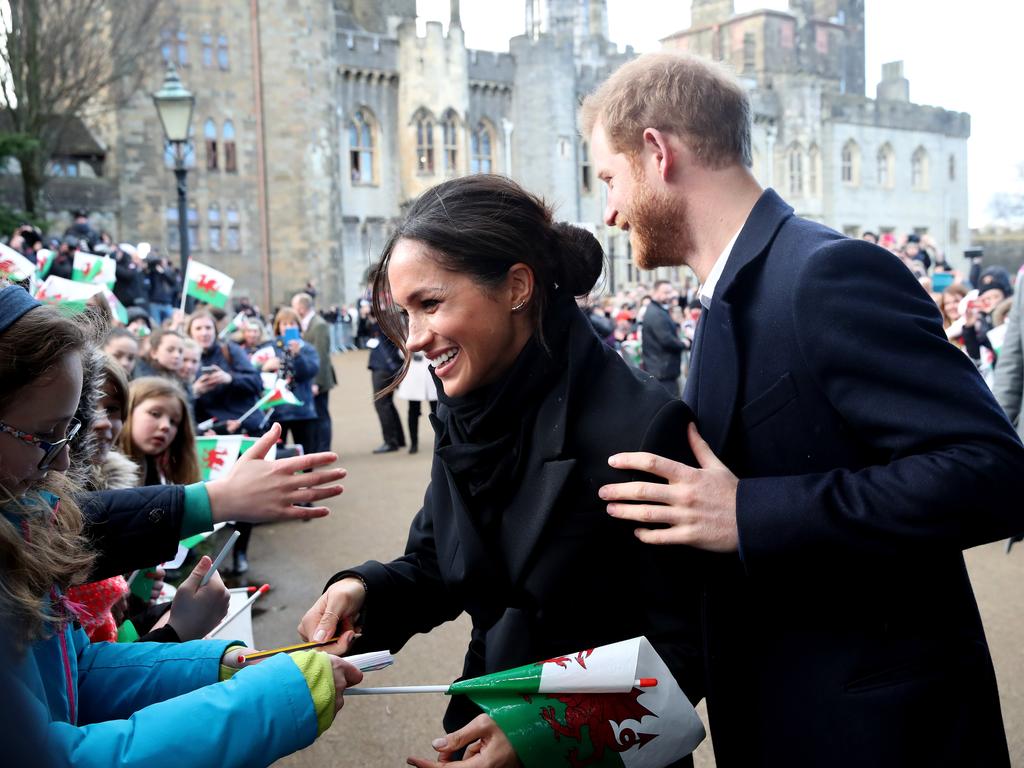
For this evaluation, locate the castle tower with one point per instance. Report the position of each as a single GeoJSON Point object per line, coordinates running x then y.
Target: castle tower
{"type": "Point", "coordinates": [433, 104]}
{"type": "Point", "coordinates": [707, 13]}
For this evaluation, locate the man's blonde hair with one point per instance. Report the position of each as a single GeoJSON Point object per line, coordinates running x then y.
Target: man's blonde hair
{"type": "Point", "coordinates": [693, 98]}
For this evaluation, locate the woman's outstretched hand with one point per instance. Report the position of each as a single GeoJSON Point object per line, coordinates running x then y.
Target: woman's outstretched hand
{"type": "Point", "coordinates": [334, 613]}
{"type": "Point", "coordinates": [488, 747]}
{"type": "Point", "coordinates": [260, 491]}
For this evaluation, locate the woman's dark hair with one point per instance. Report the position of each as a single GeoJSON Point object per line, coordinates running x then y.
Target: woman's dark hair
{"type": "Point", "coordinates": [480, 226]}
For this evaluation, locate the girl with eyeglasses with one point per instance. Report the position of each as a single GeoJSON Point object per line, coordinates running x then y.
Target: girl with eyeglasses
{"type": "Point", "coordinates": [117, 703]}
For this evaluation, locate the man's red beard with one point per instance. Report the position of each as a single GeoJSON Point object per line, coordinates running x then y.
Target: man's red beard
{"type": "Point", "coordinates": [659, 231]}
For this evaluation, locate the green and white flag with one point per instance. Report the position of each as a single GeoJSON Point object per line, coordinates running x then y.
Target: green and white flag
{"type": "Point", "coordinates": [14, 266]}
{"type": "Point", "coordinates": [90, 268]}
{"type": "Point", "coordinates": [44, 262]}
{"type": "Point", "coordinates": [235, 325]}
{"type": "Point", "coordinates": [116, 307]}
{"type": "Point", "coordinates": [218, 454]}
{"type": "Point", "coordinates": [616, 705]}
{"type": "Point", "coordinates": [277, 395]}
{"type": "Point", "coordinates": [69, 295]}
{"type": "Point", "coordinates": [207, 284]}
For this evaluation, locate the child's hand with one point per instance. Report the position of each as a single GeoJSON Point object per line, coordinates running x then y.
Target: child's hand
{"type": "Point", "coordinates": [259, 491]}
{"type": "Point", "coordinates": [196, 610]}
{"type": "Point", "coordinates": [157, 575]}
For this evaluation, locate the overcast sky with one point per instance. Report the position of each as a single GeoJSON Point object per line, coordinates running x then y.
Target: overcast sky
{"type": "Point", "coordinates": [956, 55]}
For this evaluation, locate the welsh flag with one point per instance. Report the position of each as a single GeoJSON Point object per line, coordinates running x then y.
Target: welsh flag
{"type": "Point", "coordinates": [236, 324]}
{"type": "Point", "coordinates": [616, 705]}
{"type": "Point", "coordinates": [277, 395]}
{"type": "Point", "coordinates": [44, 261]}
{"type": "Point", "coordinates": [116, 307]}
{"type": "Point", "coordinates": [69, 295]}
{"type": "Point", "coordinates": [89, 268]}
{"type": "Point", "coordinates": [14, 266]}
{"type": "Point", "coordinates": [217, 455]}
{"type": "Point", "coordinates": [207, 284]}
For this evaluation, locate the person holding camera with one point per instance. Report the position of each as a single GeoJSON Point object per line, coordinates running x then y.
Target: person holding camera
{"type": "Point", "coordinates": [163, 284]}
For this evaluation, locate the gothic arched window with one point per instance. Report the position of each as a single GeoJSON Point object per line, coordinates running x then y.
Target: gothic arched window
{"type": "Point", "coordinates": [424, 122]}
{"type": "Point", "coordinates": [361, 147]}
{"type": "Point", "coordinates": [481, 148]}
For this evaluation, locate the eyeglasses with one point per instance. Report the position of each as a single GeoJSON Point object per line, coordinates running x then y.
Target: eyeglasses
{"type": "Point", "coordinates": [50, 450]}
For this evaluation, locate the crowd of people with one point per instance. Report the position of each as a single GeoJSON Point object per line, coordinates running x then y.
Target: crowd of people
{"type": "Point", "coordinates": [785, 526]}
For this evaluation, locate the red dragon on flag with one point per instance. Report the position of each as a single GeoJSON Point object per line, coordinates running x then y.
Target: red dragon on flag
{"type": "Point", "coordinates": [214, 458]}
{"type": "Point", "coordinates": [206, 284]}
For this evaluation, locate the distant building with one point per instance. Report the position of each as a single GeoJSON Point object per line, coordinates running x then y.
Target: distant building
{"type": "Point", "coordinates": [853, 163]}
{"type": "Point", "coordinates": [317, 122]}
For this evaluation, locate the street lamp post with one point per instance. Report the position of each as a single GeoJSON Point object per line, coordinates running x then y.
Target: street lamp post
{"type": "Point", "coordinates": [174, 105]}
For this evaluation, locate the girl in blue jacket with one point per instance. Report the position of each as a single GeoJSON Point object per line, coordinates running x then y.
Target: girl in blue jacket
{"type": "Point", "coordinates": [116, 704]}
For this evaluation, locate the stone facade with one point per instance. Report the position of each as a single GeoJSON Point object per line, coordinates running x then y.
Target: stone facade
{"type": "Point", "coordinates": [336, 114]}
{"type": "Point", "coordinates": [854, 163]}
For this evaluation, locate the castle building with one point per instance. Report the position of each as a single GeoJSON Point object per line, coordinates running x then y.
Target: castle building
{"type": "Point", "coordinates": [316, 123]}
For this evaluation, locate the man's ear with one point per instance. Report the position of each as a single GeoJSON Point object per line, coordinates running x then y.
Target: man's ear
{"type": "Point", "coordinates": [520, 284]}
{"type": "Point", "coordinates": [661, 152]}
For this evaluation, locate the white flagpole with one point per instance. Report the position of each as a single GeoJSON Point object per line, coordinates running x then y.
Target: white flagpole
{"type": "Point", "coordinates": [227, 619]}
{"type": "Point", "coordinates": [256, 405]}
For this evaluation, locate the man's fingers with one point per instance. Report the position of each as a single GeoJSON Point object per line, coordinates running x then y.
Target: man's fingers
{"type": "Point", "coordinates": [258, 450]}
{"type": "Point", "coordinates": [701, 450]}
{"type": "Point", "coordinates": [643, 513]}
{"type": "Point", "coordinates": [310, 479]}
{"type": "Point", "coordinates": [655, 492]}
{"type": "Point", "coordinates": [662, 535]}
{"type": "Point", "coordinates": [649, 463]}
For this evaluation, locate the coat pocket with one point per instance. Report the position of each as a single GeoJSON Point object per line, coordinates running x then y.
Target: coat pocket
{"type": "Point", "coordinates": [769, 402]}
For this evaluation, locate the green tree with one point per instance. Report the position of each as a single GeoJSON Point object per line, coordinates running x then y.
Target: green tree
{"type": "Point", "coordinates": [60, 59]}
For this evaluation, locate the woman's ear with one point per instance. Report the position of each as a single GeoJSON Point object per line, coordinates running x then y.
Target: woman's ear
{"type": "Point", "coordinates": [520, 285]}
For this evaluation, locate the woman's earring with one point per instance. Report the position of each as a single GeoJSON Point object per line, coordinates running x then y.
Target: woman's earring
{"type": "Point", "coordinates": [519, 306]}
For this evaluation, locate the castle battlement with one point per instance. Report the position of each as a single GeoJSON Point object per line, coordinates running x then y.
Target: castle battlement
{"type": "Point", "coordinates": [900, 115]}
{"type": "Point", "coordinates": [366, 51]}
{"type": "Point", "coordinates": [491, 67]}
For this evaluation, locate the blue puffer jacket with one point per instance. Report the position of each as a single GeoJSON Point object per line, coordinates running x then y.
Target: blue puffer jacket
{"type": "Point", "coordinates": [148, 704]}
{"type": "Point", "coordinates": [298, 371]}
{"type": "Point", "coordinates": [229, 401]}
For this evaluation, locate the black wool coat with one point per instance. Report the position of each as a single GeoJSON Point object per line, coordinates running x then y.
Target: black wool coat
{"type": "Point", "coordinates": [870, 453]}
{"type": "Point", "coordinates": [564, 575]}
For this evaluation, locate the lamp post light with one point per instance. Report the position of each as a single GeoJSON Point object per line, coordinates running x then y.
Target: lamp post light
{"type": "Point", "coordinates": [174, 105]}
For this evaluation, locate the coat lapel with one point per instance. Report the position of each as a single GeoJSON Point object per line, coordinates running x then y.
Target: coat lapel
{"type": "Point", "coordinates": [718, 371]}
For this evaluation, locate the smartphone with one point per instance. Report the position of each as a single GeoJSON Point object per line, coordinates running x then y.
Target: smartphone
{"type": "Point", "coordinates": [291, 334]}
{"type": "Point", "coordinates": [941, 281]}
{"type": "Point", "coordinates": [208, 369]}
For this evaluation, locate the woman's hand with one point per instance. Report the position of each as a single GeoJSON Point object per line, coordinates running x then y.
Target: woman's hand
{"type": "Point", "coordinates": [271, 365]}
{"type": "Point", "coordinates": [203, 384]}
{"type": "Point", "coordinates": [488, 747]}
{"type": "Point", "coordinates": [333, 613]}
{"type": "Point", "coordinates": [258, 491]}
{"type": "Point", "coordinates": [294, 346]}
{"type": "Point", "coordinates": [196, 610]}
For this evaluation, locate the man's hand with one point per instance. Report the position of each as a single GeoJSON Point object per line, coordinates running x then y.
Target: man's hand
{"type": "Point", "coordinates": [699, 505]}
{"type": "Point", "coordinates": [489, 747]}
{"type": "Point", "coordinates": [259, 491]}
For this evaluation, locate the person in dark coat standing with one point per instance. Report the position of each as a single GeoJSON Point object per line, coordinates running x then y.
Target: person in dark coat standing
{"type": "Point", "coordinates": [512, 530]}
{"type": "Point", "coordinates": [848, 452]}
{"type": "Point", "coordinates": [316, 332]}
{"type": "Point", "coordinates": [661, 345]}
{"type": "Point", "coordinates": [385, 362]}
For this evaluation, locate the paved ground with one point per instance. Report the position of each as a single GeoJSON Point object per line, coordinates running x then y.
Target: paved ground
{"type": "Point", "coordinates": [370, 521]}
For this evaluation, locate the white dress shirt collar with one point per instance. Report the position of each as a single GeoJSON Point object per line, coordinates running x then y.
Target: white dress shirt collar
{"type": "Point", "coordinates": [707, 288]}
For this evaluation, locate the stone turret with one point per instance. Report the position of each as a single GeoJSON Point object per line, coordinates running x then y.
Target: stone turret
{"type": "Point", "coordinates": [894, 86]}
{"type": "Point", "coordinates": [434, 86]}
{"type": "Point", "coordinates": [707, 13]}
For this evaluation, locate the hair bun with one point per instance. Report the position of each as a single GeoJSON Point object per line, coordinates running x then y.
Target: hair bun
{"type": "Point", "coordinates": [579, 258]}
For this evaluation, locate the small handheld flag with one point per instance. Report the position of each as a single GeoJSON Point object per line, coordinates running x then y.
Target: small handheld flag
{"type": "Point", "coordinates": [90, 268]}
{"type": "Point", "coordinates": [69, 295]}
{"type": "Point", "coordinates": [14, 266]}
{"type": "Point", "coordinates": [207, 284]}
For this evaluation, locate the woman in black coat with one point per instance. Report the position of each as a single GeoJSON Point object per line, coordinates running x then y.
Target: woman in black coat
{"type": "Point", "coordinates": [532, 405]}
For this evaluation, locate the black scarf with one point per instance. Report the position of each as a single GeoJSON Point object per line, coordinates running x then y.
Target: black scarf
{"type": "Point", "coordinates": [485, 434]}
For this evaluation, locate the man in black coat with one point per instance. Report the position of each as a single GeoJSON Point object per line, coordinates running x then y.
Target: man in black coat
{"type": "Point", "coordinates": [851, 453]}
{"type": "Point", "coordinates": [662, 347]}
